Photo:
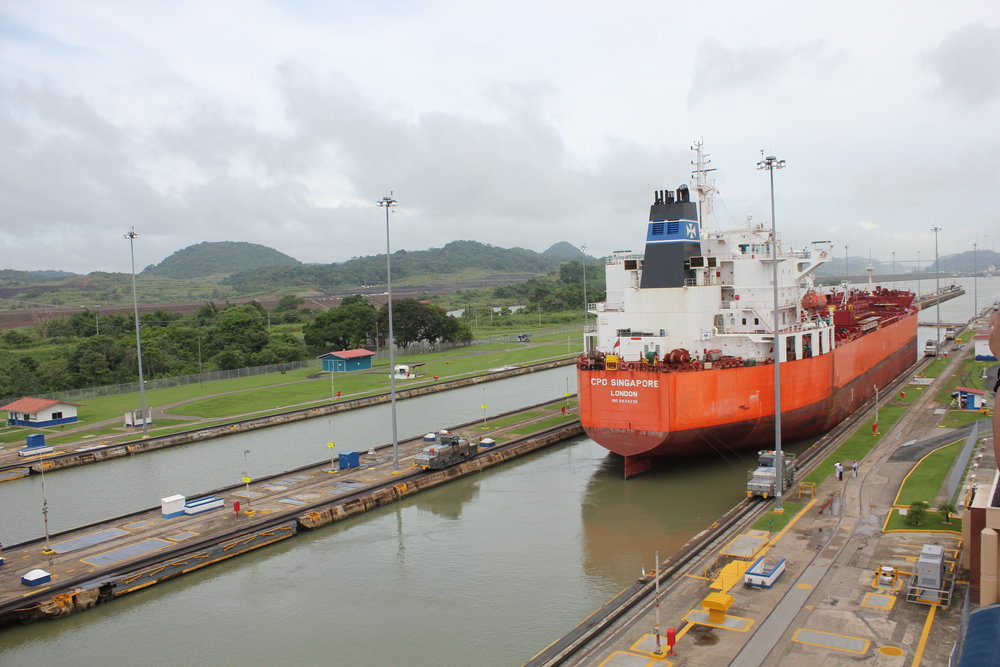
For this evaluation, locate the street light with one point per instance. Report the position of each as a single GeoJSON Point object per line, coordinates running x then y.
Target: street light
{"type": "Point", "coordinates": [975, 277]}
{"type": "Point", "coordinates": [847, 261]}
{"type": "Point", "coordinates": [937, 286]}
{"type": "Point", "coordinates": [388, 203]}
{"type": "Point", "coordinates": [770, 163]}
{"type": "Point", "coordinates": [586, 312]}
{"type": "Point", "coordinates": [131, 236]}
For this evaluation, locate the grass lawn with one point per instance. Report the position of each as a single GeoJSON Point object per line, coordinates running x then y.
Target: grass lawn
{"type": "Point", "coordinates": [775, 522]}
{"type": "Point", "coordinates": [910, 394]}
{"type": "Point", "coordinates": [856, 447]}
{"type": "Point", "coordinates": [960, 418]}
{"type": "Point", "coordinates": [546, 423]}
{"type": "Point", "coordinates": [925, 480]}
{"type": "Point", "coordinates": [932, 522]}
{"type": "Point", "coordinates": [277, 391]}
{"type": "Point", "coordinates": [935, 367]}
{"type": "Point", "coordinates": [512, 419]}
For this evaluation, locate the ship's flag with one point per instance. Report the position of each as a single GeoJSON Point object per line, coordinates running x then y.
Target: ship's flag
{"type": "Point", "coordinates": [618, 343]}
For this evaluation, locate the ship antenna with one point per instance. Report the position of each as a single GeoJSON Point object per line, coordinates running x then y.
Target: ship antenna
{"type": "Point", "coordinates": [871, 272]}
{"type": "Point", "coordinates": [702, 185]}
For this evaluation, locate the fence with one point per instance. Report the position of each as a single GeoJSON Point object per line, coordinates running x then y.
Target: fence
{"type": "Point", "coordinates": [177, 381]}
{"type": "Point", "coordinates": [419, 347]}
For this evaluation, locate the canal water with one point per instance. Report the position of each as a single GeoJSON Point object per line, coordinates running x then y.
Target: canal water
{"type": "Point", "coordinates": [486, 570]}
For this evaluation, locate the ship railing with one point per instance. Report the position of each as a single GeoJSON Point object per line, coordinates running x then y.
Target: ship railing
{"type": "Point", "coordinates": [605, 306]}
{"type": "Point", "coordinates": [705, 280]}
{"type": "Point", "coordinates": [618, 259]}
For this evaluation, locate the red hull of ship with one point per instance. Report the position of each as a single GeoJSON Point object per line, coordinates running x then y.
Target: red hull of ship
{"type": "Point", "coordinates": [647, 414]}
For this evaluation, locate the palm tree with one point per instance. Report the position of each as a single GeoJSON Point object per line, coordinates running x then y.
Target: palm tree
{"type": "Point", "coordinates": [915, 515]}
{"type": "Point", "coordinates": [948, 509]}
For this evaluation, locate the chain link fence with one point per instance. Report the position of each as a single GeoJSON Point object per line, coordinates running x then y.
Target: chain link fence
{"type": "Point", "coordinates": [74, 395]}
{"type": "Point", "coordinates": [382, 355]}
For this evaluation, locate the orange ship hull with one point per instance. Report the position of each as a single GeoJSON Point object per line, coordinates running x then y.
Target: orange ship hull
{"type": "Point", "coordinates": [645, 414]}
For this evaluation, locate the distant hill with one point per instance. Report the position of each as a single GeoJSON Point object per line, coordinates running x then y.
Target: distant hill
{"type": "Point", "coordinates": [457, 257]}
{"type": "Point", "coordinates": [211, 258]}
{"type": "Point", "coordinates": [565, 251]}
{"type": "Point", "coordinates": [12, 277]}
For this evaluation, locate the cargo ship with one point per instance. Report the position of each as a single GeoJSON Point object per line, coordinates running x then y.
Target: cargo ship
{"type": "Point", "coordinates": [680, 360]}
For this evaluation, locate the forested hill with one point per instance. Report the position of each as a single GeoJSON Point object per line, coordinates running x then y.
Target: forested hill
{"type": "Point", "coordinates": [456, 257]}
{"type": "Point", "coordinates": [13, 277]}
{"type": "Point", "coordinates": [212, 258]}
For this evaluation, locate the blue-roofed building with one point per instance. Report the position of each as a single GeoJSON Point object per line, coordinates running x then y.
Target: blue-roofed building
{"type": "Point", "coordinates": [347, 360]}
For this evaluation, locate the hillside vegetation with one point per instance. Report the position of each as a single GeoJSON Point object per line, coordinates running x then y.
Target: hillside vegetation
{"type": "Point", "coordinates": [212, 258]}
{"type": "Point", "coordinates": [453, 258]}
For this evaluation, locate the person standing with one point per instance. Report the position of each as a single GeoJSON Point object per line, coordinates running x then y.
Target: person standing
{"type": "Point", "coordinates": [840, 471]}
{"type": "Point", "coordinates": [854, 469]}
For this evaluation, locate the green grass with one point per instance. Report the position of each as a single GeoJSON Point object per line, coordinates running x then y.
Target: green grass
{"type": "Point", "coordinates": [935, 367]}
{"type": "Point", "coordinates": [512, 419]}
{"type": "Point", "coordinates": [856, 447]}
{"type": "Point", "coordinates": [960, 418]}
{"type": "Point", "coordinates": [545, 423]}
{"type": "Point", "coordinates": [775, 522]}
{"type": "Point", "coordinates": [932, 521]}
{"type": "Point", "coordinates": [925, 480]}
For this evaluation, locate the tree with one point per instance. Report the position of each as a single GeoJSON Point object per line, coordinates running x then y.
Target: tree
{"type": "Point", "coordinates": [289, 302]}
{"type": "Point", "coordinates": [948, 509]}
{"type": "Point", "coordinates": [349, 325]}
{"type": "Point", "coordinates": [414, 321]}
{"type": "Point", "coordinates": [917, 512]}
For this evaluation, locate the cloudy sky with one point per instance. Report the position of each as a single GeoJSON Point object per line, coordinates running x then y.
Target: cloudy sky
{"type": "Point", "coordinates": [511, 123]}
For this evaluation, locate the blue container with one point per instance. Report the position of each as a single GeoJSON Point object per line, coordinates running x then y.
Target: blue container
{"type": "Point", "coordinates": [349, 460]}
{"type": "Point", "coordinates": [36, 440]}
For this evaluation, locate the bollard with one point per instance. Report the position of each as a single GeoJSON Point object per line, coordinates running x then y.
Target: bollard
{"type": "Point", "coordinates": [671, 639]}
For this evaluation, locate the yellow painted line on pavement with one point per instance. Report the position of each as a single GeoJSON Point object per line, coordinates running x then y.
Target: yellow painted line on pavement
{"type": "Point", "coordinates": [919, 653]}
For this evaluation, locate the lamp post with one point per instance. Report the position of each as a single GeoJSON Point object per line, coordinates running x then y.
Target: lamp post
{"type": "Point", "coordinates": [847, 261]}
{"type": "Point", "coordinates": [388, 203]}
{"type": "Point", "coordinates": [937, 286]}
{"type": "Point", "coordinates": [132, 236]}
{"type": "Point", "coordinates": [918, 275]}
{"type": "Point", "coordinates": [893, 269]}
{"type": "Point", "coordinates": [975, 278]}
{"type": "Point", "coordinates": [770, 163]}
{"type": "Point", "coordinates": [586, 312]}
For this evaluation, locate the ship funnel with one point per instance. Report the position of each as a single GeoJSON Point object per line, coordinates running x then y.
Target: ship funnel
{"type": "Point", "coordinates": [672, 238]}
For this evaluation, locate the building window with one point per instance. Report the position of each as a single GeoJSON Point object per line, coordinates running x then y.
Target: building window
{"type": "Point", "coordinates": [57, 415]}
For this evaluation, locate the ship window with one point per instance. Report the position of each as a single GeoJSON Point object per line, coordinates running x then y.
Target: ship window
{"type": "Point", "coordinates": [744, 320]}
{"type": "Point", "coordinates": [790, 348]}
{"type": "Point", "coordinates": [631, 265]}
{"type": "Point", "coordinates": [756, 320]}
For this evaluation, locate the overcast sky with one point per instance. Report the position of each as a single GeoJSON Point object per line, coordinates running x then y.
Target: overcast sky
{"type": "Point", "coordinates": [511, 123]}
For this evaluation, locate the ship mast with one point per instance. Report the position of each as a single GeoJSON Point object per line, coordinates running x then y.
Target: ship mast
{"type": "Point", "coordinates": [705, 188]}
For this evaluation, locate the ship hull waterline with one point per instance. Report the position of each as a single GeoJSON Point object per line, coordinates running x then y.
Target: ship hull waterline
{"type": "Point", "coordinates": [644, 415]}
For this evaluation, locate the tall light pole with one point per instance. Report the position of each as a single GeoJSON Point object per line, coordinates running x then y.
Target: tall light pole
{"type": "Point", "coordinates": [918, 275]}
{"type": "Point", "coordinates": [771, 163]}
{"type": "Point", "coordinates": [132, 236]}
{"type": "Point", "coordinates": [893, 269]}
{"type": "Point", "coordinates": [937, 286]}
{"type": "Point", "coordinates": [583, 249]}
{"type": "Point", "coordinates": [388, 203]}
{"type": "Point", "coordinates": [975, 277]}
{"type": "Point", "coordinates": [847, 261]}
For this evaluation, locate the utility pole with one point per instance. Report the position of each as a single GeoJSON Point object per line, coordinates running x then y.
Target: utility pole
{"type": "Point", "coordinates": [770, 163]}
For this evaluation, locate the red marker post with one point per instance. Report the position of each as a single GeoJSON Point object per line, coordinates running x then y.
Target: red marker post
{"type": "Point", "coordinates": [236, 507]}
{"type": "Point", "coordinates": [671, 639]}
